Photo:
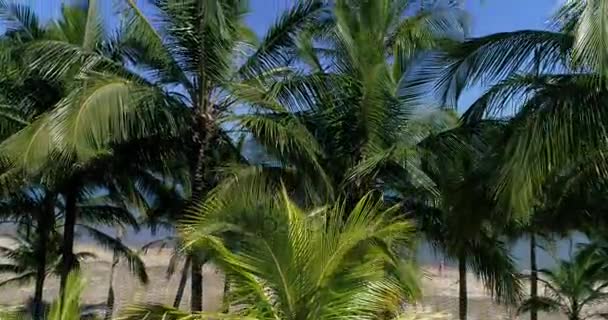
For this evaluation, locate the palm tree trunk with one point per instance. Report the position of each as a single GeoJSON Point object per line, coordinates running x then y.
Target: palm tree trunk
{"type": "Point", "coordinates": [40, 271]}
{"type": "Point", "coordinates": [462, 283]}
{"type": "Point", "coordinates": [226, 296]}
{"type": "Point", "coordinates": [201, 184]}
{"type": "Point", "coordinates": [110, 299]}
{"type": "Point", "coordinates": [45, 220]}
{"type": "Point", "coordinates": [575, 310]}
{"type": "Point", "coordinates": [196, 276]}
{"type": "Point", "coordinates": [533, 276]}
{"type": "Point", "coordinates": [182, 283]}
{"type": "Point", "coordinates": [68, 260]}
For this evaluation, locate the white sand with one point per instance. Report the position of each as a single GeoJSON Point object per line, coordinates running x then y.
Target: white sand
{"type": "Point", "coordinates": [440, 292]}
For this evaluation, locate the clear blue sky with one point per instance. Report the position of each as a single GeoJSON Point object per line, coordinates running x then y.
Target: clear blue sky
{"type": "Point", "coordinates": [492, 16]}
{"type": "Point", "coordinates": [488, 16]}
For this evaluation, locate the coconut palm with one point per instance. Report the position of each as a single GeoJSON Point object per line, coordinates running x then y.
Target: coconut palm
{"type": "Point", "coordinates": [182, 88]}
{"type": "Point", "coordinates": [33, 202]}
{"type": "Point", "coordinates": [571, 288]}
{"type": "Point", "coordinates": [24, 29]}
{"type": "Point", "coordinates": [573, 199]}
{"type": "Point", "coordinates": [24, 98]}
{"type": "Point", "coordinates": [30, 148]}
{"type": "Point", "coordinates": [32, 210]}
{"type": "Point", "coordinates": [463, 221]}
{"type": "Point", "coordinates": [21, 258]}
{"type": "Point", "coordinates": [541, 77]}
{"type": "Point", "coordinates": [290, 263]}
{"type": "Point", "coordinates": [353, 92]}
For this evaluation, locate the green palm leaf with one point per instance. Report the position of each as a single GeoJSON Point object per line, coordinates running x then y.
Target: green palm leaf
{"type": "Point", "coordinates": [286, 256]}
{"type": "Point", "coordinates": [136, 265]}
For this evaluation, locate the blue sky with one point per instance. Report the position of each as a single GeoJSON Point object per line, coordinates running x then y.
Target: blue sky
{"type": "Point", "coordinates": [487, 16]}
{"type": "Point", "coordinates": [492, 16]}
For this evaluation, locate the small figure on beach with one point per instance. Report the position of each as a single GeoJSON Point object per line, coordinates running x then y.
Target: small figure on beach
{"type": "Point", "coordinates": [441, 266]}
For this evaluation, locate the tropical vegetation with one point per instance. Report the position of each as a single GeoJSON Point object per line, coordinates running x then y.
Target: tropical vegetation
{"type": "Point", "coordinates": [307, 164]}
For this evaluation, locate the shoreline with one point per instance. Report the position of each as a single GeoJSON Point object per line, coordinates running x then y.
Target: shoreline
{"type": "Point", "coordinates": [439, 292]}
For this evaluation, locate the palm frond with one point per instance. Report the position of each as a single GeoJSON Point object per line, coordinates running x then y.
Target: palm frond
{"type": "Point", "coordinates": [285, 255]}
{"type": "Point", "coordinates": [31, 146]}
{"type": "Point", "coordinates": [279, 46]}
{"type": "Point", "coordinates": [493, 58]}
{"type": "Point", "coordinates": [145, 46]}
{"type": "Point", "coordinates": [590, 46]}
{"type": "Point", "coordinates": [20, 18]}
{"type": "Point", "coordinates": [134, 261]}
{"type": "Point", "coordinates": [20, 280]}
{"type": "Point", "coordinates": [10, 268]}
{"type": "Point", "coordinates": [108, 110]}
{"type": "Point", "coordinates": [545, 304]}
{"type": "Point", "coordinates": [110, 215]}
{"type": "Point", "coordinates": [152, 312]}
{"type": "Point", "coordinates": [493, 263]}
{"type": "Point", "coordinates": [67, 307]}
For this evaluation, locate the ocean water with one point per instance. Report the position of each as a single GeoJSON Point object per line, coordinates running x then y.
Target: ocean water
{"type": "Point", "coordinates": [548, 253]}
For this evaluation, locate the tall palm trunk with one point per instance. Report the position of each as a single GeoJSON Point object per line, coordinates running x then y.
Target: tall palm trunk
{"type": "Point", "coordinates": [533, 276]}
{"type": "Point", "coordinates": [196, 282]}
{"type": "Point", "coordinates": [110, 299]}
{"type": "Point", "coordinates": [45, 221]}
{"type": "Point", "coordinates": [226, 294]}
{"type": "Point", "coordinates": [202, 182]}
{"type": "Point", "coordinates": [182, 283]}
{"type": "Point", "coordinates": [67, 252]}
{"type": "Point", "coordinates": [462, 286]}
{"type": "Point", "coordinates": [199, 188]}
{"type": "Point", "coordinates": [198, 192]}
{"type": "Point", "coordinates": [115, 260]}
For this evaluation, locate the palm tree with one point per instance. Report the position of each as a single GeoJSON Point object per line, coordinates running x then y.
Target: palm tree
{"type": "Point", "coordinates": [293, 264]}
{"type": "Point", "coordinates": [571, 288]}
{"type": "Point", "coordinates": [29, 148]}
{"type": "Point", "coordinates": [184, 87]}
{"type": "Point", "coordinates": [24, 98]}
{"type": "Point", "coordinates": [571, 200]}
{"type": "Point", "coordinates": [32, 209]}
{"type": "Point", "coordinates": [539, 77]}
{"type": "Point", "coordinates": [353, 92]}
{"type": "Point", "coordinates": [21, 258]}
{"type": "Point", "coordinates": [463, 221]}
{"type": "Point", "coordinates": [29, 142]}
{"type": "Point", "coordinates": [68, 308]}
{"type": "Point", "coordinates": [27, 258]}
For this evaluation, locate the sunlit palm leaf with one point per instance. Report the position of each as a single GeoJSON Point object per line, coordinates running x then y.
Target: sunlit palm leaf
{"type": "Point", "coordinates": [286, 256]}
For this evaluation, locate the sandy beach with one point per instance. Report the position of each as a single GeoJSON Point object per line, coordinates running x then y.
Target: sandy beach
{"type": "Point", "coordinates": [440, 291]}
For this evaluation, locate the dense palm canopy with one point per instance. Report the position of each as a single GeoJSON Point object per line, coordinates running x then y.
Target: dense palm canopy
{"type": "Point", "coordinates": [354, 94]}
{"type": "Point", "coordinates": [146, 124]}
{"type": "Point", "coordinates": [539, 77]}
